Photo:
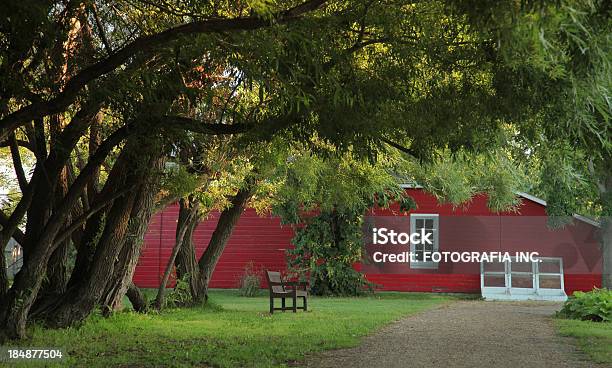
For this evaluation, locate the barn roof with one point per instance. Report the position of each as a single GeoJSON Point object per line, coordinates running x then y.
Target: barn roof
{"type": "Point", "coordinates": [527, 196]}
{"type": "Point", "coordinates": [535, 199]}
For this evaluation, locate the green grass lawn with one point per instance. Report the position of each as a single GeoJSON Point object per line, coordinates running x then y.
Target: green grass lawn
{"type": "Point", "coordinates": [231, 331]}
{"type": "Point", "coordinates": [594, 338]}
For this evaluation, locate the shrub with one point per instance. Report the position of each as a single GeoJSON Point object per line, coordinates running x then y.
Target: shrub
{"type": "Point", "coordinates": [596, 305]}
{"type": "Point", "coordinates": [180, 295]}
{"type": "Point", "coordinates": [327, 247]}
{"type": "Point", "coordinates": [250, 281]}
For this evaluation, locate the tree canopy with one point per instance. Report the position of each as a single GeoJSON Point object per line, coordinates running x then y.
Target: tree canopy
{"type": "Point", "coordinates": [127, 105]}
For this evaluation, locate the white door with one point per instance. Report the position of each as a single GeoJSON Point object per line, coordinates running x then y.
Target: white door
{"type": "Point", "coordinates": [549, 276]}
{"type": "Point", "coordinates": [540, 280]}
{"type": "Point", "coordinates": [522, 278]}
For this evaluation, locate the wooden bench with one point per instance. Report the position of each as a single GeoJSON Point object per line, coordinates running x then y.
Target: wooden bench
{"type": "Point", "coordinates": [281, 289]}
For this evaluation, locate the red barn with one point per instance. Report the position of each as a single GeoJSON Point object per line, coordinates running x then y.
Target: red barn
{"type": "Point", "coordinates": [568, 259]}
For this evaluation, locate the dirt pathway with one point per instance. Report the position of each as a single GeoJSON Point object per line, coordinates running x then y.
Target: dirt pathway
{"type": "Point", "coordinates": [465, 334]}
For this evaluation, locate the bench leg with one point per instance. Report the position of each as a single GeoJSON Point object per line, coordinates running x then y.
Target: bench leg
{"type": "Point", "coordinates": [283, 304]}
{"type": "Point", "coordinates": [305, 305]}
{"type": "Point", "coordinates": [294, 304]}
{"type": "Point", "coordinates": [271, 305]}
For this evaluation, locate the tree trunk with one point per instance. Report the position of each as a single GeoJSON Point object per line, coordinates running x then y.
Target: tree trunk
{"type": "Point", "coordinates": [85, 239]}
{"type": "Point", "coordinates": [57, 270]}
{"type": "Point", "coordinates": [607, 253]}
{"type": "Point", "coordinates": [137, 298]}
{"type": "Point", "coordinates": [117, 250]}
{"type": "Point", "coordinates": [181, 229]}
{"type": "Point", "coordinates": [39, 245]}
{"type": "Point", "coordinates": [57, 267]}
{"type": "Point", "coordinates": [86, 247]}
{"type": "Point", "coordinates": [3, 276]}
{"type": "Point", "coordinates": [95, 225]}
{"type": "Point", "coordinates": [82, 298]}
{"type": "Point", "coordinates": [186, 261]}
{"type": "Point", "coordinates": [143, 210]}
{"type": "Point", "coordinates": [17, 302]}
{"type": "Point", "coordinates": [606, 229]}
{"type": "Point", "coordinates": [227, 220]}
{"type": "Point", "coordinates": [54, 284]}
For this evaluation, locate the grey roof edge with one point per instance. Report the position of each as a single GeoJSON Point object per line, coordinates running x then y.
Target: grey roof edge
{"type": "Point", "coordinates": [537, 200]}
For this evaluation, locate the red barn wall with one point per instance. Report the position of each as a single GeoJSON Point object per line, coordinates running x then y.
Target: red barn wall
{"type": "Point", "coordinates": [263, 240]}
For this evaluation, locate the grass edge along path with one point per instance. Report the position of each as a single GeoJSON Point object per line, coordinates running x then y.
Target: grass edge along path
{"type": "Point", "coordinates": [594, 338]}
{"type": "Point", "coordinates": [230, 331]}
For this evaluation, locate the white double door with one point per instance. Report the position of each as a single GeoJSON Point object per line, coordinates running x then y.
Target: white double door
{"type": "Point", "coordinates": [539, 280]}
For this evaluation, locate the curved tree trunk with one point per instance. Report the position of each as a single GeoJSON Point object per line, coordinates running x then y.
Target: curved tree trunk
{"type": "Point", "coordinates": [87, 246]}
{"type": "Point", "coordinates": [186, 261]}
{"type": "Point", "coordinates": [17, 302]}
{"type": "Point", "coordinates": [137, 298]}
{"type": "Point", "coordinates": [185, 218]}
{"type": "Point", "coordinates": [143, 210]}
{"type": "Point", "coordinates": [54, 284]}
{"type": "Point", "coordinates": [227, 220]}
{"type": "Point", "coordinates": [39, 246]}
{"type": "Point", "coordinates": [133, 170]}
{"type": "Point", "coordinates": [79, 302]}
{"type": "Point", "coordinates": [57, 268]}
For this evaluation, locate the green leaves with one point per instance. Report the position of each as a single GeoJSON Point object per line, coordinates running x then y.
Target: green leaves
{"type": "Point", "coordinates": [595, 305]}
{"type": "Point", "coordinates": [326, 199]}
{"type": "Point", "coordinates": [567, 71]}
{"type": "Point", "coordinates": [456, 178]}
{"type": "Point", "coordinates": [178, 181]}
{"type": "Point", "coordinates": [326, 249]}
{"type": "Point", "coordinates": [263, 8]}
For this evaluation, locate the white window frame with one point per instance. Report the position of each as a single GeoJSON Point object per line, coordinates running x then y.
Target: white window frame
{"type": "Point", "coordinates": [436, 245]}
{"type": "Point", "coordinates": [511, 273]}
{"type": "Point", "coordinates": [509, 292]}
{"type": "Point", "coordinates": [546, 291]}
{"type": "Point", "coordinates": [504, 273]}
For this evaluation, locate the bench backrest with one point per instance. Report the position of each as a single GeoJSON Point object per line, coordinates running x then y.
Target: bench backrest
{"type": "Point", "coordinates": [275, 277]}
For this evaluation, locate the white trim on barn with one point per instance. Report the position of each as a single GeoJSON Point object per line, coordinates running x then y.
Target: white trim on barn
{"type": "Point", "coordinates": [410, 186]}
{"type": "Point", "coordinates": [434, 228]}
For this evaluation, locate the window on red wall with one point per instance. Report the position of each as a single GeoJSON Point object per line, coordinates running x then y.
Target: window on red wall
{"type": "Point", "coordinates": [428, 224]}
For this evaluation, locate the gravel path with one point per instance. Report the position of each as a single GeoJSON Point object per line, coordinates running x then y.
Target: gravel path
{"type": "Point", "coordinates": [465, 334]}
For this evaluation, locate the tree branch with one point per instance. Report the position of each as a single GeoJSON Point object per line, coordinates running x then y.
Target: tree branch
{"type": "Point", "coordinates": [9, 227]}
{"type": "Point", "coordinates": [399, 147]}
{"type": "Point", "coordinates": [73, 87]}
{"type": "Point", "coordinates": [20, 143]}
{"type": "Point", "coordinates": [74, 193]}
{"type": "Point", "coordinates": [17, 165]}
{"type": "Point", "coordinates": [100, 28]}
{"type": "Point", "coordinates": [18, 235]}
{"type": "Point", "coordinates": [85, 216]}
{"type": "Point", "coordinates": [197, 126]}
